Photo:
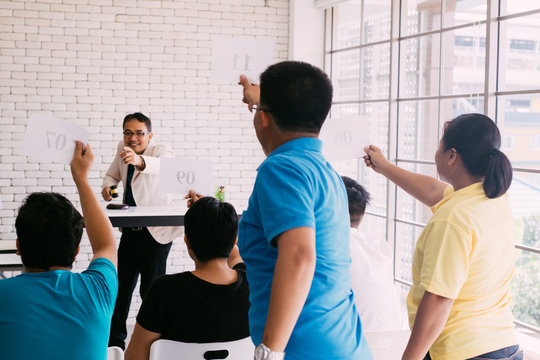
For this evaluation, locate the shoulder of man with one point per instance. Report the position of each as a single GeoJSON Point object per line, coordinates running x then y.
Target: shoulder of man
{"type": "Point", "coordinates": [157, 150]}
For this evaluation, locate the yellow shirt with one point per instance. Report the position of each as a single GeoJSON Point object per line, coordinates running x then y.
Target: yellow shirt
{"type": "Point", "coordinates": [466, 253]}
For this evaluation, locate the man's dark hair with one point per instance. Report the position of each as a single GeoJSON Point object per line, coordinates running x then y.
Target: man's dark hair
{"type": "Point", "coordinates": [297, 95]}
{"type": "Point", "coordinates": [211, 228]}
{"type": "Point", "coordinates": [49, 231]}
{"type": "Point", "coordinates": [139, 117]}
{"type": "Point", "coordinates": [358, 199]}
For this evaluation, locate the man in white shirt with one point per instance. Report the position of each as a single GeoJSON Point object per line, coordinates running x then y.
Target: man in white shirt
{"type": "Point", "coordinates": [142, 250]}
{"type": "Point", "coordinates": [375, 295]}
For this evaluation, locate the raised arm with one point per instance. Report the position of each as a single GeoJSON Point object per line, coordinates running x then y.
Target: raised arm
{"type": "Point", "coordinates": [424, 188]}
{"type": "Point", "coordinates": [251, 92]}
{"type": "Point", "coordinates": [98, 226]}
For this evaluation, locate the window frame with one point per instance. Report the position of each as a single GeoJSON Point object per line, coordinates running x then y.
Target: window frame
{"type": "Point", "coordinates": [490, 96]}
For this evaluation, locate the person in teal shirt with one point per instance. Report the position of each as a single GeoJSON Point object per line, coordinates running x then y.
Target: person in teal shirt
{"type": "Point", "coordinates": [49, 312]}
{"type": "Point", "coordinates": [294, 235]}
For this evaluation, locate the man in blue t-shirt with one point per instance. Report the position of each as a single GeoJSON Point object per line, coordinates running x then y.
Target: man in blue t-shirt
{"type": "Point", "coordinates": [48, 312]}
{"type": "Point", "coordinates": [294, 236]}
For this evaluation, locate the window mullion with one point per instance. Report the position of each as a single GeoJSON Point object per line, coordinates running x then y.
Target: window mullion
{"type": "Point", "coordinates": [491, 61]}
{"type": "Point", "coordinates": [393, 94]}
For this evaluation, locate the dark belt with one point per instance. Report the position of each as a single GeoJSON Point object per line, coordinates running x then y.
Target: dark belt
{"type": "Point", "coordinates": [137, 228]}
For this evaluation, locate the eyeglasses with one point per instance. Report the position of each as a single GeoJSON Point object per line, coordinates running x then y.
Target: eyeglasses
{"type": "Point", "coordinates": [258, 107]}
{"type": "Point", "coordinates": [129, 133]}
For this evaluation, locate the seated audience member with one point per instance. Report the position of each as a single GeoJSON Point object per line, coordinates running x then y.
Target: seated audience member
{"type": "Point", "coordinates": [209, 304]}
{"type": "Point", "coordinates": [371, 270]}
{"type": "Point", "coordinates": [49, 312]}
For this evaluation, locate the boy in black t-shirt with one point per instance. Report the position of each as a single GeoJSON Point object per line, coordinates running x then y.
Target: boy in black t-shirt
{"type": "Point", "coordinates": [209, 304]}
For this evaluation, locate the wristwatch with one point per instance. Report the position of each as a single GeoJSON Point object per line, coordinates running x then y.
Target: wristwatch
{"type": "Point", "coordinates": [262, 352]}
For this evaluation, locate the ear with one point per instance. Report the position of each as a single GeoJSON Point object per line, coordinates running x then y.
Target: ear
{"type": "Point", "coordinates": [150, 135]}
{"type": "Point", "coordinates": [266, 119]}
{"type": "Point", "coordinates": [452, 156]}
{"type": "Point", "coordinates": [187, 242]}
{"type": "Point", "coordinates": [77, 252]}
{"type": "Point", "coordinates": [18, 247]}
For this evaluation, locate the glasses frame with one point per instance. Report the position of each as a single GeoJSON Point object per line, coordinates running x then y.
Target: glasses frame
{"type": "Point", "coordinates": [260, 108]}
{"type": "Point", "coordinates": [129, 133]}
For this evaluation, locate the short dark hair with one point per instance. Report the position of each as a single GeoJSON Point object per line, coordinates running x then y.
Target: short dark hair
{"type": "Point", "coordinates": [49, 230]}
{"type": "Point", "coordinates": [298, 95]}
{"type": "Point", "coordinates": [139, 117]}
{"type": "Point", "coordinates": [211, 228]}
{"type": "Point", "coordinates": [358, 199]}
{"type": "Point", "coordinates": [477, 140]}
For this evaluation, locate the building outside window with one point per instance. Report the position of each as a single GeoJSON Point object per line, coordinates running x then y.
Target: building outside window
{"type": "Point", "coordinates": [405, 67]}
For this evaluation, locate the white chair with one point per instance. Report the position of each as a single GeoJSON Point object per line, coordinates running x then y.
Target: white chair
{"type": "Point", "coordinates": [115, 353]}
{"type": "Point", "coordinates": [174, 350]}
{"type": "Point", "coordinates": [387, 345]}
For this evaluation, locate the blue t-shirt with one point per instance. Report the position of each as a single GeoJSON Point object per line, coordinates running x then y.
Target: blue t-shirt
{"type": "Point", "coordinates": [297, 187]}
{"type": "Point", "coordinates": [58, 314]}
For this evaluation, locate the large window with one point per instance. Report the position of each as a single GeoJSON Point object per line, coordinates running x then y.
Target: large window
{"type": "Point", "coordinates": [405, 67]}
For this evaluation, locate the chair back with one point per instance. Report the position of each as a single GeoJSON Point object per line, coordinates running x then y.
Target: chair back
{"type": "Point", "coordinates": [174, 350]}
{"type": "Point", "coordinates": [115, 353]}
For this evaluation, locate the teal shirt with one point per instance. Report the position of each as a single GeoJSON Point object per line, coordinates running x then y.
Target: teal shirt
{"type": "Point", "coordinates": [58, 314]}
{"type": "Point", "coordinates": [297, 187]}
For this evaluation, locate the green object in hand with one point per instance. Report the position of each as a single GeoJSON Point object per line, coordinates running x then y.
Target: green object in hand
{"type": "Point", "coordinates": [220, 193]}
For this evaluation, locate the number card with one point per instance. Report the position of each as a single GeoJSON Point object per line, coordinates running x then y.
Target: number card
{"type": "Point", "coordinates": [51, 139]}
{"type": "Point", "coordinates": [232, 57]}
{"type": "Point", "coordinates": [344, 138]}
{"type": "Point", "coordinates": [179, 175]}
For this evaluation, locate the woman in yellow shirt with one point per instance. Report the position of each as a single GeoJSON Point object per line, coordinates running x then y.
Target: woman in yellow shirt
{"type": "Point", "coordinates": [459, 304]}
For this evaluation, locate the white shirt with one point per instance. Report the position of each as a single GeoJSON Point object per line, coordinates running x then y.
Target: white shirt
{"type": "Point", "coordinates": [145, 186]}
{"type": "Point", "coordinates": [372, 282]}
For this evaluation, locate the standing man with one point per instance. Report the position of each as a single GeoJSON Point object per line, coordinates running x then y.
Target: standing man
{"type": "Point", "coordinates": [142, 250]}
{"type": "Point", "coordinates": [294, 236]}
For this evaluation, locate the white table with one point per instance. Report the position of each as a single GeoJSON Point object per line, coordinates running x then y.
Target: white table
{"type": "Point", "coordinates": [9, 260]}
{"type": "Point", "coordinates": [131, 217]}
{"type": "Point", "coordinates": [148, 216]}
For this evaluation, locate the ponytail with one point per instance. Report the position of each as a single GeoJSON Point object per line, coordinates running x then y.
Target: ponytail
{"type": "Point", "coordinates": [477, 140]}
{"type": "Point", "coordinates": [498, 176]}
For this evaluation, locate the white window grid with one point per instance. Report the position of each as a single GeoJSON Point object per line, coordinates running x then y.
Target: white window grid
{"type": "Point", "coordinates": [487, 99]}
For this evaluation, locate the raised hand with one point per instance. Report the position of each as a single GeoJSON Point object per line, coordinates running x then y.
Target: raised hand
{"type": "Point", "coordinates": [375, 159]}
{"type": "Point", "coordinates": [251, 92]}
{"type": "Point", "coordinates": [192, 197]}
{"type": "Point", "coordinates": [82, 161]}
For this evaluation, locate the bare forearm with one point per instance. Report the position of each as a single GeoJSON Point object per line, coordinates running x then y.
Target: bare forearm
{"type": "Point", "coordinates": [430, 319]}
{"type": "Point", "coordinates": [293, 275]}
{"type": "Point", "coordinates": [140, 343]}
{"type": "Point", "coordinates": [426, 189]}
{"type": "Point", "coordinates": [98, 226]}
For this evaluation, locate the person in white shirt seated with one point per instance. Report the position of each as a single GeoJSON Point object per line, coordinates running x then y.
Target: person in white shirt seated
{"type": "Point", "coordinates": [372, 282]}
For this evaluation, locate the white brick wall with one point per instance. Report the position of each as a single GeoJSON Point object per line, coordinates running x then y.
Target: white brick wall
{"type": "Point", "coordinates": [93, 61]}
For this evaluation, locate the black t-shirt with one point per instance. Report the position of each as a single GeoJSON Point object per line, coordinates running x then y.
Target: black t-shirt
{"type": "Point", "coordinates": [182, 307]}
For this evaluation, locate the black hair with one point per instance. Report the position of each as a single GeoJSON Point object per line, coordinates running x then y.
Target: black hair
{"type": "Point", "coordinates": [358, 199]}
{"type": "Point", "coordinates": [211, 227]}
{"type": "Point", "coordinates": [49, 230]}
{"type": "Point", "coordinates": [297, 95]}
{"type": "Point", "coordinates": [139, 117]}
{"type": "Point", "coordinates": [477, 140]}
